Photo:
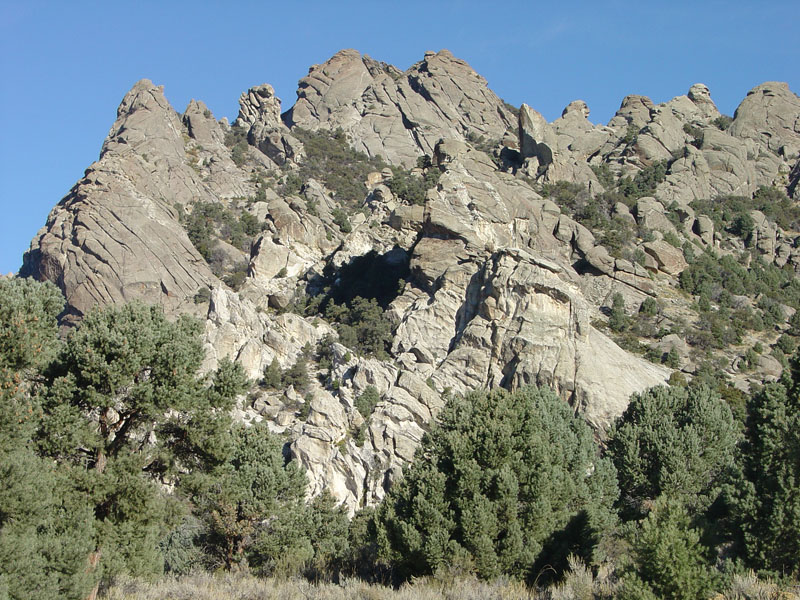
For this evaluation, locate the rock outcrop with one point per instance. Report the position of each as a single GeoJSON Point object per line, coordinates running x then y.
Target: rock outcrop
{"type": "Point", "coordinates": [503, 286]}
{"type": "Point", "coordinates": [260, 115]}
{"type": "Point", "coordinates": [117, 236]}
{"type": "Point", "coordinates": [399, 115]}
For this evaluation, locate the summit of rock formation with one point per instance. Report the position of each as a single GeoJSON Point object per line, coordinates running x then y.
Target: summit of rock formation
{"type": "Point", "coordinates": [395, 114]}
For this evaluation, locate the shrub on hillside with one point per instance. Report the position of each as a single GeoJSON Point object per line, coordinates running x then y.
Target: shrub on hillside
{"type": "Point", "coordinates": [330, 159]}
{"type": "Point", "coordinates": [362, 326]}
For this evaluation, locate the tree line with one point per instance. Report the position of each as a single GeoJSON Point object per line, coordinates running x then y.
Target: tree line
{"type": "Point", "coordinates": [118, 457]}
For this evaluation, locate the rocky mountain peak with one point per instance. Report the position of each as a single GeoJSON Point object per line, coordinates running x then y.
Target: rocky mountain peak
{"type": "Point", "coordinates": [443, 62]}
{"type": "Point", "coordinates": [201, 125]}
{"type": "Point", "coordinates": [634, 110]}
{"type": "Point", "coordinates": [143, 94]}
{"type": "Point", "coordinates": [492, 261]}
{"type": "Point", "coordinates": [145, 120]}
{"type": "Point", "coordinates": [769, 116]}
{"type": "Point", "coordinates": [399, 115]}
{"type": "Point", "coordinates": [335, 83]}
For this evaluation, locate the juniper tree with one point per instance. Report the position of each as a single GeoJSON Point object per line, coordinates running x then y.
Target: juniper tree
{"type": "Point", "coordinates": [501, 476]}
{"type": "Point", "coordinates": [675, 441]}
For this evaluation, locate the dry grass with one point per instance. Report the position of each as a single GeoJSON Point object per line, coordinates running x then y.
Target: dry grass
{"type": "Point", "coordinates": [581, 584]}
{"type": "Point", "coordinates": [246, 587]}
{"type": "Point", "coordinates": [578, 584]}
{"type": "Point", "coordinates": [750, 587]}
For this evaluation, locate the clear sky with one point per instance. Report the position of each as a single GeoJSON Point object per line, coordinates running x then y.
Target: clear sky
{"type": "Point", "coordinates": [65, 65]}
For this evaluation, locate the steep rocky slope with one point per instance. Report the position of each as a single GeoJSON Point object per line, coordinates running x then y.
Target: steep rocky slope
{"type": "Point", "coordinates": [491, 269]}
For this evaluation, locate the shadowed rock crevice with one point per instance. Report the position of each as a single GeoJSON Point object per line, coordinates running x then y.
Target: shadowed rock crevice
{"type": "Point", "coordinates": [469, 309]}
{"type": "Point", "coordinates": [373, 276]}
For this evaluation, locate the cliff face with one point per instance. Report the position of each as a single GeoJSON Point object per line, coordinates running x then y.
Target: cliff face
{"type": "Point", "coordinates": [116, 236]}
{"type": "Point", "coordinates": [500, 285]}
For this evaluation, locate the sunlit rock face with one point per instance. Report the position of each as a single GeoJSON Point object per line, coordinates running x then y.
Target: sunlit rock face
{"type": "Point", "coordinates": [495, 285]}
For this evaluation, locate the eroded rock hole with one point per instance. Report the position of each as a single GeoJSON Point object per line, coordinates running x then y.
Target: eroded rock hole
{"type": "Point", "coordinates": [373, 276]}
{"type": "Point", "coordinates": [354, 298]}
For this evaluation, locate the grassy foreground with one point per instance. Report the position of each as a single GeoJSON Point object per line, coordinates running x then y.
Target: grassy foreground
{"type": "Point", "coordinates": [246, 587]}
{"type": "Point", "coordinates": [579, 584]}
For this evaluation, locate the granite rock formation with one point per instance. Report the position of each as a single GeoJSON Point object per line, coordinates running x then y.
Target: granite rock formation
{"type": "Point", "coordinates": [504, 288]}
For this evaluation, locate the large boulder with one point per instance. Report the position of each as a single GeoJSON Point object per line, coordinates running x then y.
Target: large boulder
{"type": "Point", "coordinates": [669, 259]}
{"type": "Point", "coordinates": [769, 115]}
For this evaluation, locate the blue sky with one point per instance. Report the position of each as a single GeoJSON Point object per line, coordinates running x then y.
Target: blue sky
{"type": "Point", "coordinates": [66, 65]}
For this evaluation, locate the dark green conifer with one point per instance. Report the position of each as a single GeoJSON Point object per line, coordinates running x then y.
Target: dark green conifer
{"type": "Point", "coordinates": [673, 441]}
{"type": "Point", "coordinates": [502, 477]}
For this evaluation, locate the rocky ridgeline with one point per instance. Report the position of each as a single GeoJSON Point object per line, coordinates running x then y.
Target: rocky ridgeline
{"type": "Point", "coordinates": [504, 288]}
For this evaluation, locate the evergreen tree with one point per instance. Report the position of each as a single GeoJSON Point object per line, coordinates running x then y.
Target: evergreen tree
{"type": "Point", "coordinates": [297, 374]}
{"type": "Point", "coordinates": [649, 307]}
{"type": "Point", "coordinates": [501, 476]}
{"type": "Point", "coordinates": [677, 441]}
{"type": "Point", "coordinates": [311, 540]}
{"type": "Point", "coordinates": [366, 401]}
{"type": "Point", "coordinates": [46, 528]}
{"type": "Point", "coordinates": [673, 360]}
{"type": "Point", "coordinates": [362, 326]}
{"type": "Point", "coordinates": [668, 555]}
{"type": "Point", "coordinates": [46, 531]}
{"type": "Point", "coordinates": [123, 410]}
{"type": "Point", "coordinates": [28, 327]}
{"type": "Point", "coordinates": [618, 321]}
{"type": "Point", "coordinates": [794, 324]}
{"type": "Point", "coordinates": [768, 501]}
{"type": "Point", "coordinates": [254, 485]}
{"type": "Point", "coordinates": [272, 375]}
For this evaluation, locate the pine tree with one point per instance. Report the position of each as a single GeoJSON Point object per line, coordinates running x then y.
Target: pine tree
{"type": "Point", "coordinates": [254, 485]}
{"type": "Point", "coordinates": [676, 441]}
{"type": "Point", "coordinates": [366, 401]}
{"type": "Point", "coordinates": [673, 360]}
{"type": "Point", "coordinates": [272, 375]}
{"type": "Point", "coordinates": [649, 307]}
{"type": "Point", "coordinates": [45, 527]}
{"type": "Point", "coordinates": [297, 375]}
{"type": "Point", "coordinates": [123, 409]}
{"type": "Point", "coordinates": [501, 476]}
{"type": "Point", "coordinates": [668, 555]}
{"type": "Point", "coordinates": [618, 320]}
{"type": "Point", "coordinates": [767, 502]}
